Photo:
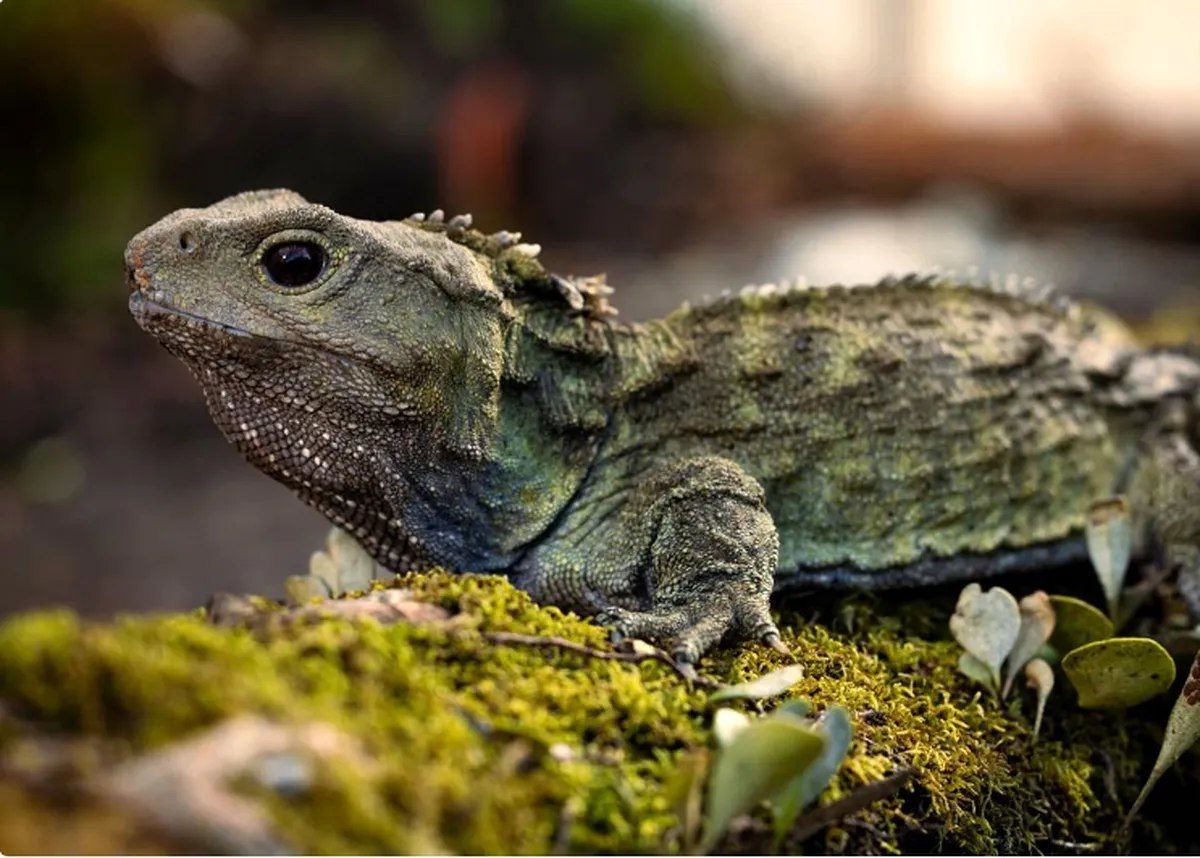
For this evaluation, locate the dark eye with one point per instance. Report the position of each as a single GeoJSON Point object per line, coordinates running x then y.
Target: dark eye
{"type": "Point", "coordinates": [296, 263]}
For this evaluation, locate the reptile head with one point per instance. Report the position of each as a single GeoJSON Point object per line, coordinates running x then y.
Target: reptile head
{"type": "Point", "coordinates": [320, 339]}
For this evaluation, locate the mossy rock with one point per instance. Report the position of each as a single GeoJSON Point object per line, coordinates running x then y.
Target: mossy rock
{"type": "Point", "coordinates": [479, 747]}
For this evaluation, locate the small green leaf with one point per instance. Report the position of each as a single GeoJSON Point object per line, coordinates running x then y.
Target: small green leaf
{"type": "Point", "coordinates": [973, 668]}
{"type": "Point", "coordinates": [1183, 731]}
{"type": "Point", "coordinates": [805, 789]}
{"type": "Point", "coordinates": [727, 723]}
{"type": "Point", "coordinates": [1040, 677]}
{"type": "Point", "coordinates": [1109, 543]}
{"type": "Point", "coordinates": [986, 625]}
{"type": "Point", "coordinates": [797, 706]}
{"type": "Point", "coordinates": [684, 792]}
{"type": "Point", "coordinates": [1119, 672]}
{"type": "Point", "coordinates": [759, 762]}
{"type": "Point", "coordinates": [1037, 623]}
{"type": "Point", "coordinates": [1077, 623]}
{"type": "Point", "coordinates": [768, 685]}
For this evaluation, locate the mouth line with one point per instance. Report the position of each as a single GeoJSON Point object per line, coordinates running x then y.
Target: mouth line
{"type": "Point", "coordinates": [144, 307]}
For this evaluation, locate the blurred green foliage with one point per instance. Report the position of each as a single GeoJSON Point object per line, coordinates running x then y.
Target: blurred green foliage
{"type": "Point", "coordinates": [119, 110]}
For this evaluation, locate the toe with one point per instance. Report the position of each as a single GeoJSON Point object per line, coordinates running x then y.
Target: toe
{"type": "Point", "coordinates": [773, 640]}
{"type": "Point", "coordinates": [699, 638]}
{"type": "Point", "coordinates": [648, 625]}
{"type": "Point", "coordinates": [756, 623]}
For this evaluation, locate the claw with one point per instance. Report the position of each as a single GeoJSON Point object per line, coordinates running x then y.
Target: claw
{"type": "Point", "coordinates": [773, 640]}
{"type": "Point", "coordinates": [686, 669]}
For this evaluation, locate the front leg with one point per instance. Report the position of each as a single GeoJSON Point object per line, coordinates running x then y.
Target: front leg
{"type": "Point", "coordinates": [694, 561]}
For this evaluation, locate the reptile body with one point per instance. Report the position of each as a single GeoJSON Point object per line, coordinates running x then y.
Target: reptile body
{"type": "Point", "coordinates": [437, 393]}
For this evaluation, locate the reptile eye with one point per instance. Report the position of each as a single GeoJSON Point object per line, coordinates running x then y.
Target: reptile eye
{"type": "Point", "coordinates": [296, 263]}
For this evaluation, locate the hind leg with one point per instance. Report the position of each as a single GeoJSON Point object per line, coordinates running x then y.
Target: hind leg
{"type": "Point", "coordinates": [1165, 494]}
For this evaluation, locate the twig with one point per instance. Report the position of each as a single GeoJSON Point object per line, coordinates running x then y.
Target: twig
{"type": "Point", "coordinates": [647, 653]}
{"type": "Point", "coordinates": [812, 822]}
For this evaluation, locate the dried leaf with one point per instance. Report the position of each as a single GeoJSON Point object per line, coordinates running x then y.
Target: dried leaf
{"type": "Point", "coordinates": [1109, 543]}
{"type": "Point", "coordinates": [759, 762]}
{"type": "Point", "coordinates": [1037, 624]}
{"type": "Point", "coordinates": [727, 723]}
{"type": "Point", "coordinates": [1077, 623]}
{"type": "Point", "coordinates": [1119, 672]}
{"type": "Point", "coordinates": [805, 789]}
{"type": "Point", "coordinates": [973, 668]}
{"type": "Point", "coordinates": [986, 625]}
{"type": "Point", "coordinates": [768, 685]}
{"type": "Point", "coordinates": [1183, 731]}
{"type": "Point", "coordinates": [637, 646]}
{"type": "Point", "coordinates": [1040, 677]}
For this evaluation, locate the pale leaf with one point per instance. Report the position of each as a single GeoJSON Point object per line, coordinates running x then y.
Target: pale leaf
{"type": "Point", "coordinates": [727, 723]}
{"type": "Point", "coordinates": [986, 624]}
{"type": "Point", "coordinates": [1040, 677]}
{"type": "Point", "coordinates": [768, 685]}
{"type": "Point", "coordinates": [1037, 624]}
{"type": "Point", "coordinates": [1109, 544]}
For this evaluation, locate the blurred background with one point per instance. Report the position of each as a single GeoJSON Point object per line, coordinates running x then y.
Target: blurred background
{"type": "Point", "coordinates": [683, 146]}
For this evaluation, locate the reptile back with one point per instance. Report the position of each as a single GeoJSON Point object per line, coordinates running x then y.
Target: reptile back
{"type": "Point", "coordinates": [896, 423]}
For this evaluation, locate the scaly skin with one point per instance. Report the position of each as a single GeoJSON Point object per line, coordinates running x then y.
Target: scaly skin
{"type": "Point", "coordinates": [439, 395]}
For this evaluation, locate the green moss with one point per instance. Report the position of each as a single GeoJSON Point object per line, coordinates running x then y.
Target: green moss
{"type": "Point", "coordinates": [458, 732]}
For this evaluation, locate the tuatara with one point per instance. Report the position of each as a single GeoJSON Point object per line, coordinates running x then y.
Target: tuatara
{"type": "Point", "coordinates": [438, 394]}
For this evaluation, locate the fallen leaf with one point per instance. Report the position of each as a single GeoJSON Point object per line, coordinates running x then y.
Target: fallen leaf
{"type": "Point", "coordinates": [1183, 731]}
{"type": "Point", "coordinates": [805, 789]}
{"type": "Point", "coordinates": [1077, 623]}
{"type": "Point", "coordinates": [1119, 672]}
{"type": "Point", "coordinates": [768, 685]}
{"type": "Point", "coordinates": [986, 625]}
{"type": "Point", "coordinates": [1040, 677]}
{"type": "Point", "coordinates": [727, 723]}
{"type": "Point", "coordinates": [637, 646]}
{"type": "Point", "coordinates": [1109, 544]}
{"type": "Point", "coordinates": [759, 761]}
{"type": "Point", "coordinates": [1037, 624]}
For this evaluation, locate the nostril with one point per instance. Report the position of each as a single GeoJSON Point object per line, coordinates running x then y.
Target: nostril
{"type": "Point", "coordinates": [187, 242]}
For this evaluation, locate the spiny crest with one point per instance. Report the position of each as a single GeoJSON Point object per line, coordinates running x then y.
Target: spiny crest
{"type": "Point", "coordinates": [518, 265]}
{"type": "Point", "coordinates": [1026, 289]}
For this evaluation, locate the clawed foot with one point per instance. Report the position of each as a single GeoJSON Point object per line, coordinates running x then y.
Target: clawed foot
{"type": "Point", "coordinates": [691, 631]}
